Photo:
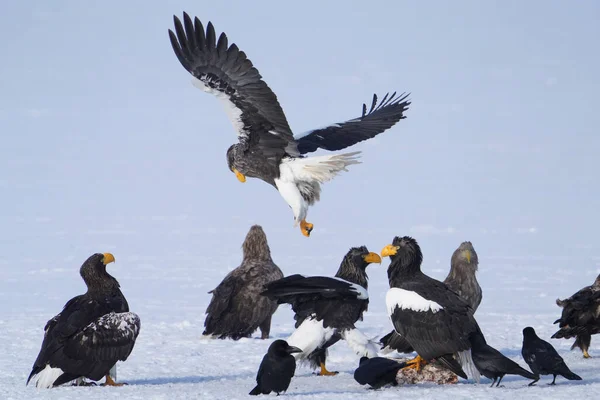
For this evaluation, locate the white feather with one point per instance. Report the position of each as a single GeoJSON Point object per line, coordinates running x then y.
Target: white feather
{"type": "Point", "coordinates": [291, 194]}
{"type": "Point", "coordinates": [359, 343]}
{"type": "Point", "coordinates": [233, 112]}
{"type": "Point", "coordinates": [467, 364]}
{"type": "Point", "coordinates": [409, 300]}
{"type": "Point", "coordinates": [361, 292]}
{"type": "Point", "coordinates": [46, 377]}
{"type": "Point", "coordinates": [309, 336]}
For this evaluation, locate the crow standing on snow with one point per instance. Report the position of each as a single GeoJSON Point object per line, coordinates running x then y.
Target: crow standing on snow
{"type": "Point", "coordinates": [542, 358]}
{"type": "Point", "coordinates": [237, 309]}
{"type": "Point", "coordinates": [580, 317]}
{"type": "Point", "coordinates": [377, 372]}
{"type": "Point", "coordinates": [461, 279]}
{"type": "Point", "coordinates": [433, 319]}
{"type": "Point", "coordinates": [494, 365]}
{"type": "Point", "coordinates": [326, 309]}
{"type": "Point", "coordinates": [276, 369]}
{"type": "Point", "coordinates": [267, 148]}
{"type": "Point", "coordinates": [91, 333]}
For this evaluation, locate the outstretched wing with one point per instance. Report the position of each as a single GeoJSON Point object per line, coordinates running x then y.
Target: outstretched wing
{"type": "Point", "coordinates": [344, 134]}
{"type": "Point", "coordinates": [337, 302]}
{"type": "Point", "coordinates": [226, 72]}
{"type": "Point", "coordinates": [110, 337]}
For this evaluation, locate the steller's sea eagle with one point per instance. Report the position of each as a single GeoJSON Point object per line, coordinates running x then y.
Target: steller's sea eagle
{"type": "Point", "coordinates": [267, 148]}
{"type": "Point", "coordinates": [461, 279]}
{"type": "Point", "coordinates": [433, 319]}
{"type": "Point", "coordinates": [91, 333]}
{"type": "Point", "coordinates": [237, 308]}
{"type": "Point", "coordinates": [326, 309]}
{"type": "Point", "coordinates": [580, 317]}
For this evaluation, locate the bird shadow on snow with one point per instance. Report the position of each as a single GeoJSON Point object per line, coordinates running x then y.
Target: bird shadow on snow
{"type": "Point", "coordinates": [184, 379]}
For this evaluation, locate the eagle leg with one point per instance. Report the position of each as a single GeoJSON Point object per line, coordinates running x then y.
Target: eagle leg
{"type": "Point", "coordinates": [306, 227]}
{"type": "Point", "coordinates": [586, 354]}
{"type": "Point", "coordinates": [416, 363]}
{"type": "Point", "coordinates": [111, 382]}
{"type": "Point", "coordinates": [324, 371]}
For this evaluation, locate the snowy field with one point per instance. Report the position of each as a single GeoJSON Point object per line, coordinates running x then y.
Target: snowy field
{"type": "Point", "coordinates": [105, 146]}
{"type": "Point", "coordinates": [168, 286]}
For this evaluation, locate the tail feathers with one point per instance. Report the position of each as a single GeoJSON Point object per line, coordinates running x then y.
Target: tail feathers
{"type": "Point", "coordinates": [256, 391]}
{"type": "Point", "coordinates": [568, 374]}
{"type": "Point", "coordinates": [451, 364]}
{"type": "Point", "coordinates": [359, 343]}
{"type": "Point", "coordinates": [45, 378]}
{"type": "Point", "coordinates": [467, 364]}
{"type": "Point", "coordinates": [323, 168]}
{"type": "Point", "coordinates": [524, 373]}
{"type": "Point", "coordinates": [568, 332]}
{"type": "Point", "coordinates": [394, 341]}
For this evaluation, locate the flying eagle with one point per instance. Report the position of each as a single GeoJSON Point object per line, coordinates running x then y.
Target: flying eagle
{"type": "Point", "coordinates": [326, 309]}
{"type": "Point", "coordinates": [237, 309]}
{"type": "Point", "coordinates": [580, 317]}
{"type": "Point", "coordinates": [433, 319]}
{"type": "Point", "coordinates": [267, 148]}
{"type": "Point", "coordinates": [461, 279]}
{"type": "Point", "coordinates": [92, 332]}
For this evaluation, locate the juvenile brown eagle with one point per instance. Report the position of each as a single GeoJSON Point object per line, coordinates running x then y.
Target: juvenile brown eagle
{"type": "Point", "coordinates": [580, 317]}
{"type": "Point", "coordinates": [91, 333]}
{"type": "Point", "coordinates": [327, 308]}
{"type": "Point", "coordinates": [461, 279]}
{"type": "Point", "coordinates": [267, 148]}
{"type": "Point", "coordinates": [237, 308]}
{"type": "Point", "coordinates": [433, 319]}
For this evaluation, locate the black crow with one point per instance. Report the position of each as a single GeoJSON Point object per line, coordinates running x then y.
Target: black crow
{"type": "Point", "coordinates": [377, 371]}
{"type": "Point", "coordinates": [542, 358]}
{"type": "Point", "coordinates": [276, 369]}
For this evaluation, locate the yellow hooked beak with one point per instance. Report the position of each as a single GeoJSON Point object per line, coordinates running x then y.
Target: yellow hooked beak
{"type": "Point", "coordinates": [239, 175]}
{"type": "Point", "coordinates": [372, 258]}
{"type": "Point", "coordinates": [108, 258]}
{"type": "Point", "coordinates": [468, 255]}
{"type": "Point", "coordinates": [389, 250]}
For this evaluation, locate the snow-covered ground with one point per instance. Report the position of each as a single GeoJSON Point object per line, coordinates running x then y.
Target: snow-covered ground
{"type": "Point", "coordinates": [167, 286]}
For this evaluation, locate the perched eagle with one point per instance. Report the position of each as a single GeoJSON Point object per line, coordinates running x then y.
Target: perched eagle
{"type": "Point", "coordinates": [433, 319]}
{"type": "Point", "coordinates": [326, 309]}
{"type": "Point", "coordinates": [461, 279]}
{"type": "Point", "coordinates": [580, 317]}
{"type": "Point", "coordinates": [237, 309]}
{"type": "Point", "coordinates": [267, 148]}
{"type": "Point", "coordinates": [92, 332]}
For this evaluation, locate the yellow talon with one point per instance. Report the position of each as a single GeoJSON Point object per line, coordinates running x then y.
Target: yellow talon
{"type": "Point", "coordinates": [306, 228]}
{"type": "Point", "coordinates": [324, 371]}
{"type": "Point", "coordinates": [416, 363]}
{"type": "Point", "coordinates": [586, 354]}
{"type": "Point", "coordinates": [110, 382]}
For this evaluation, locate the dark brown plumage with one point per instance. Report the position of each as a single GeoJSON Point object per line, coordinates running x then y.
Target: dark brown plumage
{"type": "Point", "coordinates": [237, 309]}
{"type": "Point", "coordinates": [461, 279]}
{"type": "Point", "coordinates": [580, 317]}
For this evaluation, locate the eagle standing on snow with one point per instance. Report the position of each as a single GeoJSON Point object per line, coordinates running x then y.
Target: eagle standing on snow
{"type": "Point", "coordinates": [237, 308]}
{"type": "Point", "coordinates": [580, 317]}
{"type": "Point", "coordinates": [327, 308]}
{"type": "Point", "coordinates": [461, 279]}
{"type": "Point", "coordinates": [92, 333]}
{"type": "Point", "coordinates": [267, 148]}
{"type": "Point", "coordinates": [433, 319]}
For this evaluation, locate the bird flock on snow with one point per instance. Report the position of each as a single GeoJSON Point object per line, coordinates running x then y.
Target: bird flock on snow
{"type": "Point", "coordinates": [435, 320]}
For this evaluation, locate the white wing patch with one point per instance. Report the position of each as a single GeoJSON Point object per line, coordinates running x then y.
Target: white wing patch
{"type": "Point", "coordinates": [233, 112]}
{"type": "Point", "coordinates": [409, 300]}
{"type": "Point", "coordinates": [309, 336]}
{"type": "Point", "coordinates": [361, 292]}
{"type": "Point", "coordinates": [127, 323]}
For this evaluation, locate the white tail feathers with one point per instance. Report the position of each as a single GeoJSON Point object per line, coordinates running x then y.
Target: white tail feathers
{"type": "Point", "coordinates": [46, 377]}
{"type": "Point", "coordinates": [323, 168]}
{"type": "Point", "coordinates": [359, 343]}
{"type": "Point", "coordinates": [467, 364]}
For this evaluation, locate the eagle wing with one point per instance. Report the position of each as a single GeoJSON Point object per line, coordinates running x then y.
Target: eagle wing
{"type": "Point", "coordinates": [379, 118]}
{"type": "Point", "coordinates": [337, 302]}
{"type": "Point", "coordinates": [432, 318]}
{"type": "Point", "coordinates": [226, 72]}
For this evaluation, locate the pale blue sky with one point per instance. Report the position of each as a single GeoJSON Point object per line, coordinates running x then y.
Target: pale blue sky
{"type": "Point", "coordinates": [103, 135]}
